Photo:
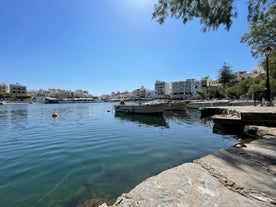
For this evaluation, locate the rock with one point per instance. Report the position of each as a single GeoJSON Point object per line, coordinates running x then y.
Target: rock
{"type": "Point", "coordinates": [259, 131]}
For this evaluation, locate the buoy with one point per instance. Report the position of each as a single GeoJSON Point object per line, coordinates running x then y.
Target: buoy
{"type": "Point", "coordinates": [54, 114]}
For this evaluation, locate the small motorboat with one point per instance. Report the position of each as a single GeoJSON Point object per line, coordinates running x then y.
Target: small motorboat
{"type": "Point", "coordinates": [141, 108]}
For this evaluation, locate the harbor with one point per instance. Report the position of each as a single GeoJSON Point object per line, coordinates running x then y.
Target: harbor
{"type": "Point", "coordinates": [90, 152]}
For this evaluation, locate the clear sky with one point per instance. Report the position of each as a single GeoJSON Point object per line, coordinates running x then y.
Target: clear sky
{"type": "Point", "coordinates": [110, 45]}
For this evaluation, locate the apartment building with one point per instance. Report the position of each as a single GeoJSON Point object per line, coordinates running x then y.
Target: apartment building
{"type": "Point", "coordinates": [18, 89]}
{"type": "Point", "coordinates": [81, 94]}
{"type": "Point", "coordinates": [241, 75]}
{"type": "Point", "coordinates": [178, 89]}
{"type": "Point", "coordinates": [60, 93]}
{"type": "Point", "coordinates": [191, 88]}
{"type": "Point", "coordinates": [3, 88]}
{"type": "Point", "coordinates": [162, 89]}
{"type": "Point", "coordinates": [256, 72]}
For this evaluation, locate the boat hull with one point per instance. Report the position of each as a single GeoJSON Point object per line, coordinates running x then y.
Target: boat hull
{"type": "Point", "coordinates": [141, 109]}
{"type": "Point", "coordinates": [178, 106]}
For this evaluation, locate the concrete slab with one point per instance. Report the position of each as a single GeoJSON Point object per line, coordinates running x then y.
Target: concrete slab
{"type": "Point", "coordinates": [186, 185]}
{"type": "Point", "coordinates": [250, 170]}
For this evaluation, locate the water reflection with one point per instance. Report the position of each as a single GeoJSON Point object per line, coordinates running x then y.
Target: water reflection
{"type": "Point", "coordinates": [151, 120]}
{"type": "Point", "coordinates": [188, 117]}
{"type": "Point", "coordinates": [177, 115]}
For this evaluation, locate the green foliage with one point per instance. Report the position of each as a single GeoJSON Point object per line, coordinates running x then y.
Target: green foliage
{"type": "Point", "coordinates": [226, 75]}
{"type": "Point", "coordinates": [261, 33]}
{"type": "Point", "coordinates": [247, 87]}
{"type": "Point", "coordinates": [14, 96]}
{"type": "Point", "coordinates": [216, 93]}
{"type": "Point", "coordinates": [212, 14]}
{"type": "Point", "coordinates": [211, 93]}
{"type": "Point", "coordinates": [4, 95]}
{"type": "Point", "coordinates": [22, 96]}
{"type": "Point", "coordinates": [202, 94]}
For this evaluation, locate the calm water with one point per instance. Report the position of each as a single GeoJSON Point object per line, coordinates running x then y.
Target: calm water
{"type": "Point", "coordinates": [88, 152]}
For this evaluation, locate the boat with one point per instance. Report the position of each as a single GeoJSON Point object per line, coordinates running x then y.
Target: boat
{"type": "Point", "coordinates": [177, 106]}
{"type": "Point", "coordinates": [49, 100]}
{"type": "Point", "coordinates": [141, 108]}
{"type": "Point", "coordinates": [207, 103]}
{"type": "Point", "coordinates": [172, 105]}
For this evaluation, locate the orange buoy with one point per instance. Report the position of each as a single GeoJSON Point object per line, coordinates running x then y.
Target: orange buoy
{"type": "Point", "coordinates": [54, 114]}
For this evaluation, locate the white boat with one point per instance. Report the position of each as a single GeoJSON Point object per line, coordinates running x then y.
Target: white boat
{"type": "Point", "coordinates": [173, 105]}
{"type": "Point", "coordinates": [177, 106]}
{"type": "Point", "coordinates": [141, 108]}
{"type": "Point", "coordinates": [211, 103]}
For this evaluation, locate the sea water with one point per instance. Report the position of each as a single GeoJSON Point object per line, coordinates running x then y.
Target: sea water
{"type": "Point", "coordinates": [90, 152]}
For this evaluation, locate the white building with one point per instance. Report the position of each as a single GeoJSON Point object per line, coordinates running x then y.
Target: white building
{"type": "Point", "coordinates": [256, 72]}
{"type": "Point", "coordinates": [162, 89]}
{"type": "Point", "coordinates": [150, 94]}
{"type": "Point", "coordinates": [81, 94]}
{"type": "Point", "coordinates": [241, 75]}
{"type": "Point", "coordinates": [178, 89]}
{"type": "Point", "coordinates": [3, 88]}
{"type": "Point", "coordinates": [18, 89]}
{"type": "Point", "coordinates": [192, 87]}
{"type": "Point", "coordinates": [60, 93]}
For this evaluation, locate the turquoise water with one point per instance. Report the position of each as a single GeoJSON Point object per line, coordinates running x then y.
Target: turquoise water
{"type": "Point", "coordinates": [89, 152]}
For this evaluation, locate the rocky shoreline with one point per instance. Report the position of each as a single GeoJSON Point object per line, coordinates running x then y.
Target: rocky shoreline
{"type": "Point", "coordinates": [243, 175]}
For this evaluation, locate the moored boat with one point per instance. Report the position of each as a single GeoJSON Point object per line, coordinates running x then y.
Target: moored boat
{"type": "Point", "coordinates": [141, 108]}
{"type": "Point", "coordinates": [51, 100]}
{"type": "Point", "coordinates": [177, 106]}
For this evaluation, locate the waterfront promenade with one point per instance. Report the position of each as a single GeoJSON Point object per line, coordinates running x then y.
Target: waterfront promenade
{"type": "Point", "coordinates": [238, 176]}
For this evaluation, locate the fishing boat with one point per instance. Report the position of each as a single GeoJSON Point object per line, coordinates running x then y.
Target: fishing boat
{"type": "Point", "coordinates": [49, 100]}
{"type": "Point", "coordinates": [177, 106]}
{"type": "Point", "coordinates": [141, 108]}
{"type": "Point", "coordinates": [172, 105]}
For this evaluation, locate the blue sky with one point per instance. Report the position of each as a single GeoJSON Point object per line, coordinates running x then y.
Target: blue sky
{"type": "Point", "coordinates": [110, 45]}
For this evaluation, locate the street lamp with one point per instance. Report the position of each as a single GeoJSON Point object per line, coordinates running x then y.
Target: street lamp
{"type": "Point", "coordinates": [267, 87]}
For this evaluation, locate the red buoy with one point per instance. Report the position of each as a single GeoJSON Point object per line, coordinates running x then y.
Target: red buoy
{"type": "Point", "coordinates": [54, 115]}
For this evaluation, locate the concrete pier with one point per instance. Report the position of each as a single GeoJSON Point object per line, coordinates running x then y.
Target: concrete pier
{"type": "Point", "coordinates": [242, 115]}
{"type": "Point", "coordinates": [238, 176]}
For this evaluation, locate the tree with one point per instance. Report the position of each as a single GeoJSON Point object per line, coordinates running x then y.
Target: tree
{"type": "Point", "coordinates": [225, 75]}
{"type": "Point", "coordinates": [212, 14]}
{"type": "Point", "coordinates": [262, 33]}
